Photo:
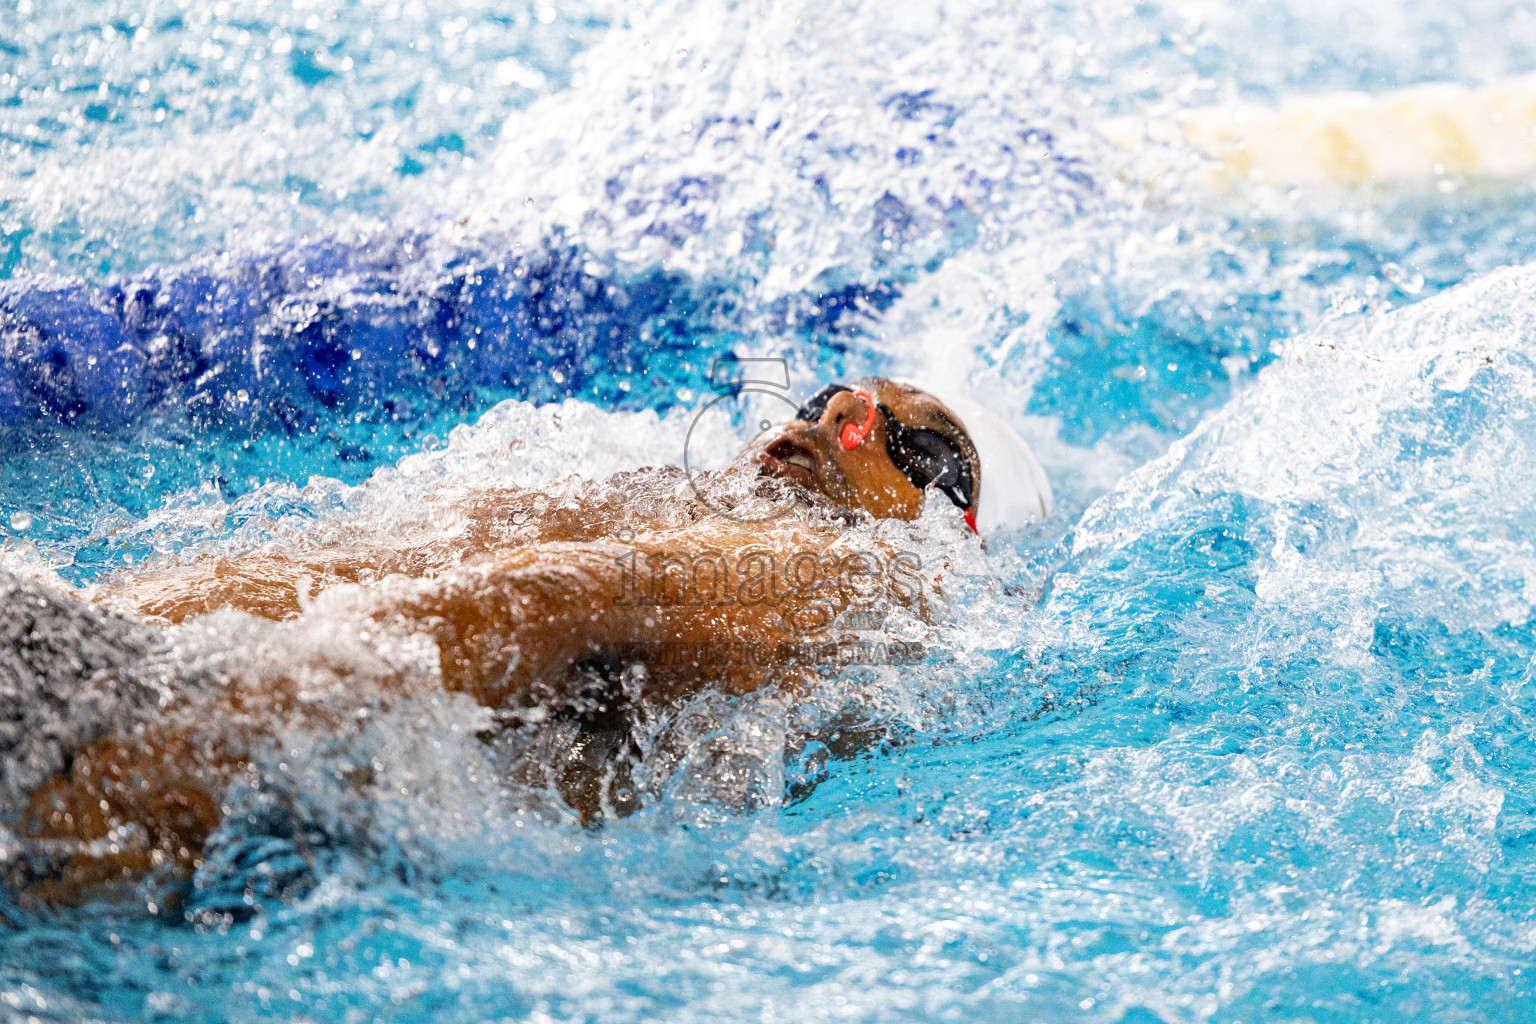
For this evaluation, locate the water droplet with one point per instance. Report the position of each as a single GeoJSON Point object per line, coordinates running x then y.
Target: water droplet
{"type": "Point", "coordinates": [21, 521]}
{"type": "Point", "coordinates": [1406, 282]}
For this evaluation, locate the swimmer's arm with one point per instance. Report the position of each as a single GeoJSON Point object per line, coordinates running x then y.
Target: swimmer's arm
{"type": "Point", "coordinates": [271, 585]}
{"type": "Point", "coordinates": [277, 584]}
{"type": "Point", "coordinates": [509, 631]}
{"type": "Point", "coordinates": [125, 806]}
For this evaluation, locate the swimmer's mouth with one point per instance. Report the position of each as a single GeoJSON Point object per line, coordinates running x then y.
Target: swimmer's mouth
{"type": "Point", "coordinates": [790, 458]}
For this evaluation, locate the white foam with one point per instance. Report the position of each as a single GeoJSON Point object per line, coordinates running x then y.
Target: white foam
{"type": "Point", "coordinates": [1405, 437]}
{"type": "Point", "coordinates": [775, 140]}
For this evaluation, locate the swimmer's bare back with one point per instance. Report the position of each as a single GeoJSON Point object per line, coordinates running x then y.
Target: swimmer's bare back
{"type": "Point", "coordinates": [514, 616]}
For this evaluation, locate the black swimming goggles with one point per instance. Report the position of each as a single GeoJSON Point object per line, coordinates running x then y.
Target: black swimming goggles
{"type": "Point", "coordinates": [924, 456]}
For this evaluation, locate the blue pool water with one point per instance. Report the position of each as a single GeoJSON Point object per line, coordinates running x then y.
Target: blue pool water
{"type": "Point", "coordinates": [1242, 733]}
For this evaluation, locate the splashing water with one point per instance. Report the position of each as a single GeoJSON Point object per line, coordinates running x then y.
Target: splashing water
{"type": "Point", "coordinates": [1242, 733]}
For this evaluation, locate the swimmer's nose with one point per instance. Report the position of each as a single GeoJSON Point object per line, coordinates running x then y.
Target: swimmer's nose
{"type": "Point", "coordinates": [848, 413]}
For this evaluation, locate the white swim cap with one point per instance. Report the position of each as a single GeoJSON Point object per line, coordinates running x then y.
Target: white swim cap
{"type": "Point", "coordinates": [1014, 489]}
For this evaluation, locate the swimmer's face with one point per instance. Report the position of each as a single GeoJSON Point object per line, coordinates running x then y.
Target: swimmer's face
{"type": "Point", "coordinates": [810, 452]}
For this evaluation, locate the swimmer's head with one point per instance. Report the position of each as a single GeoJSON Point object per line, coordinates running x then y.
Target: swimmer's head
{"type": "Point", "coordinates": [876, 445]}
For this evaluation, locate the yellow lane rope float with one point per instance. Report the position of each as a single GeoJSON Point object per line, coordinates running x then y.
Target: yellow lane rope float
{"type": "Point", "coordinates": [1423, 131]}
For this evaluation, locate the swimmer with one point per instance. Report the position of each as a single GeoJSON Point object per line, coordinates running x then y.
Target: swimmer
{"type": "Point", "coordinates": [536, 610]}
